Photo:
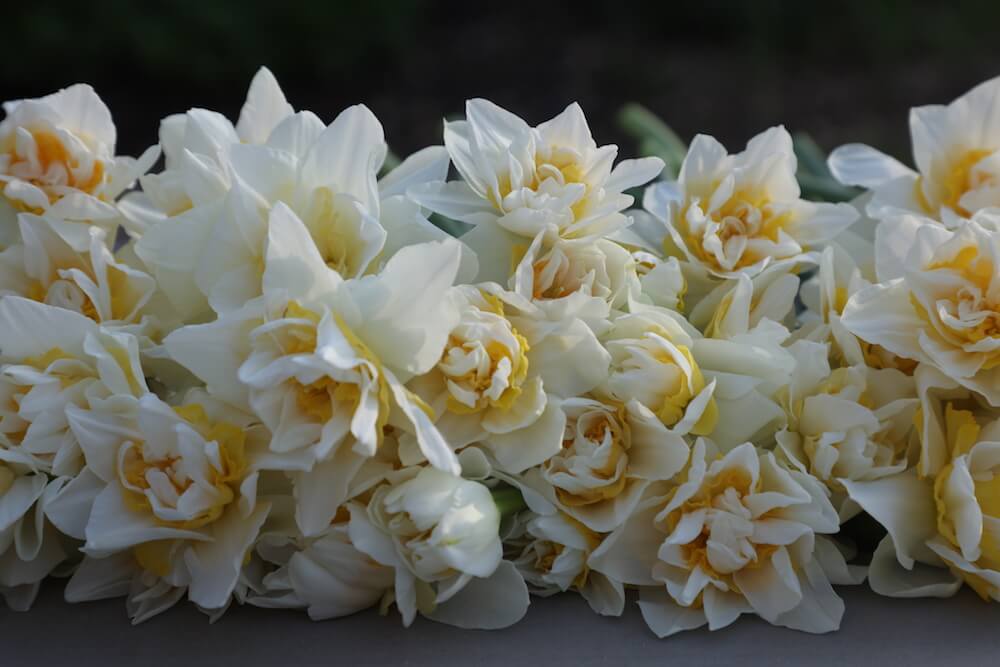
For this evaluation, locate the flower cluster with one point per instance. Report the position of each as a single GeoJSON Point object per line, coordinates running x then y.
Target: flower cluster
{"type": "Point", "coordinates": [266, 375]}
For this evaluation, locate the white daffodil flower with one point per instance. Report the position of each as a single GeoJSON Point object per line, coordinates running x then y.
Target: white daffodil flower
{"type": "Point", "coordinates": [938, 302]}
{"type": "Point", "coordinates": [30, 548]}
{"type": "Point", "coordinates": [948, 519]}
{"type": "Point", "coordinates": [854, 422]}
{"type": "Point", "coordinates": [175, 487]}
{"type": "Point", "coordinates": [54, 359]}
{"type": "Point", "coordinates": [967, 498]}
{"type": "Point", "coordinates": [553, 559]}
{"type": "Point", "coordinates": [652, 361]}
{"type": "Point", "coordinates": [485, 387]}
{"type": "Point", "coordinates": [566, 280]}
{"type": "Point", "coordinates": [321, 360]}
{"type": "Point", "coordinates": [440, 535]}
{"type": "Point", "coordinates": [733, 375]}
{"type": "Point", "coordinates": [91, 281]}
{"type": "Point", "coordinates": [735, 534]}
{"type": "Point", "coordinates": [196, 148]}
{"type": "Point", "coordinates": [519, 181]}
{"type": "Point", "coordinates": [825, 295]}
{"type": "Point", "coordinates": [956, 149]}
{"type": "Point", "coordinates": [57, 156]}
{"type": "Point", "coordinates": [612, 452]}
{"type": "Point", "coordinates": [213, 253]}
{"type": "Point", "coordinates": [732, 214]}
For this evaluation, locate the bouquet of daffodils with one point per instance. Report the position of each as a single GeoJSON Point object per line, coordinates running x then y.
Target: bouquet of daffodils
{"type": "Point", "coordinates": [288, 370]}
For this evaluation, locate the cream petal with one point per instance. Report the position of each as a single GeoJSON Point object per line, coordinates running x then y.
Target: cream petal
{"type": "Point", "coordinates": [883, 314]}
{"type": "Point", "coordinates": [69, 509]}
{"type": "Point", "coordinates": [605, 596]}
{"type": "Point", "coordinates": [30, 329]}
{"type": "Point", "coordinates": [570, 359]}
{"type": "Point", "coordinates": [887, 577]}
{"type": "Point", "coordinates": [114, 526]}
{"type": "Point", "coordinates": [771, 588]}
{"type": "Point", "coordinates": [525, 410]}
{"type": "Point", "coordinates": [101, 578]}
{"type": "Point", "coordinates": [863, 166]}
{"type": "Point", "coordinates": [904, 505]}
{"type": "Point", "coordinates": [432, 445]}
{"type": "Point", "coordinates": [498, 601]}
{"type": "Point", "coordinates": [629, 553]}
{"type": "Point", "coordinates": [518, 450]}
{"type": "Point", "coordinates": [664, 616]}
{"type": "Point", "coordinates": [656, 453]}
{"type": "Point", "coordinates": [215, 565]}
{"type": "Point", "coordinates": [334, 579]}
{"type": "Point", "coordinates": [406, 315]}
{"type": "Point", "coordinates": [293, 262]}
{"type": "Point", "coordinates": [264, 108]}
{"type": "Point", "coordinates": [820, 610]}
{"type": "Point", "coordinates": [346, 156]}
{"type": "Point", "coordinates": [319, 492]}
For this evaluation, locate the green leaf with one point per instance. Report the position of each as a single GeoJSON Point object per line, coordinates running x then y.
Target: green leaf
{"type": "Point", "coordinates": [655, 137]}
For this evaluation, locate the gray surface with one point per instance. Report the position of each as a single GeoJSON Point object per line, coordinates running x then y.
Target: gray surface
{"type": "Point", "coordinates": [557, 631]}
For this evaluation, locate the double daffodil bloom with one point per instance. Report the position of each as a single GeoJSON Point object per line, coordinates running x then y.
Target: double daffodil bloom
{"type": "Point", "coordinates": [956, 149]}
{"type": "Point", "coordinates": [733, 534]}
{"type": "Point", "coordinates": [939, 302]}
{"type": "Point", "coordinates": [322, 361]}
{"type": "Point", "coordinates": [732, 214]}
{"type": "Point", "coordinates": [173, 488]}
{"type": "Point", "coordinates": [519, 181]}
{"type": "Point", "coordinates": [57, 156]}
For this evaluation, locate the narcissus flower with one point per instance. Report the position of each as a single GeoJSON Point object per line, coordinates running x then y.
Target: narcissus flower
{"type": "Point", "coordinates": [440, 535]}
{"type": "Point", "coordinates": [853, 422]}
{"type": "Point", "coordinates": [652, 360]}
{"type": "Point", "coordinates": [611, 454]}
{"type": "Point", "coordinates": [321, 360]}
{"type": "Point", "coordinates": [939, 302]}
{"type": "Point", "coordinates": [518, 180]}
{"type": "Point", "coordinates": [734, 534]}
{"type": "Point", "coordinates": [553, 559]}
{"type": "Point", "coordinates": [57, 155]}
{"type": "Point", "coordinates": [485, 387]}
{"type": "Point", "coordinates": [732, 214]}
{"type": "Point", "coordinates": [90, 281]}
{"type": "Point", "coordinates": [213, 253]}
{"type": "Point", "coordinates": [946, 520]}
{"type": "Point", "coordinates": [173, 486]}
{"type": "Point", "coordinates": [56, 358]}
{"type": "Point", "coordinates": [956, 149]}
{"type": "Point", "coordinates": [30, 548]}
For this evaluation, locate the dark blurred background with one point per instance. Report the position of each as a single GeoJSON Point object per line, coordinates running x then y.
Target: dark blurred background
{"type": "Point", "coordinates": [840, 71]}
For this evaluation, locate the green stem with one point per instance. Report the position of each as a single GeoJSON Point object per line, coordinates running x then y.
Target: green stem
{"type": "Point", "coordinates": [508, 500]}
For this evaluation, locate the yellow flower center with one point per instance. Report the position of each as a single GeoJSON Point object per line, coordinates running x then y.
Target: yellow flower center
{"type": "Point", "coordinates": [600, 425]}
{"type": "Point", "coordinates": [708, 497]}
{"type": "Point", "coordinates": [56, 167]}
{"type": "Point", "coordinates": [962, 432]}
{"type": "Point", "coordinates": [224, 474]}
{"type": "Point", "coordinates": [319, 399]}
{"type": "Point", "coordinates": [744, 214]}
{"type": "Point", "coordinates": [480, 381]}
{"type": "Point", "coordinates": [959, 180]}
{"type": "Point", "coordinates": [675, 404]}
{"type": "Point", "coordinates": [970, 303]}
